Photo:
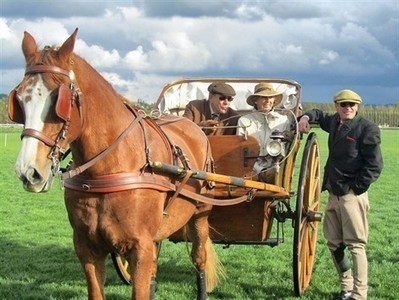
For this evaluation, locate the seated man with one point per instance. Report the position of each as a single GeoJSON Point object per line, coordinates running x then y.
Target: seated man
{"type": "Point", "coordinates": [262, 123]}
{"type": "Point", "coordinates": [215, 112]}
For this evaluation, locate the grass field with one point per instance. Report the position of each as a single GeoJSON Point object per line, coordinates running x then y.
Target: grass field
{"type": "Point", "coordinates": [37, 259]}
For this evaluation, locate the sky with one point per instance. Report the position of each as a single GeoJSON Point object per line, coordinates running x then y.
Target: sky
{"type": "Point", "coordinates": [140, 46]}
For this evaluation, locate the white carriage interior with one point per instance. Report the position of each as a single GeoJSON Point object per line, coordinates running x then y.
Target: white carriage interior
{"type": "Point", "coordinates": [176, 96]}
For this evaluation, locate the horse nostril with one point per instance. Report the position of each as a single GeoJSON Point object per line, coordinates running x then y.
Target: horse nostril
{"type": "Point", "coordinates": [23, 178]}
{"type": "Point", "coordinates": [36, 175]}
{"type": "Point", "coordinates": [32, 175]}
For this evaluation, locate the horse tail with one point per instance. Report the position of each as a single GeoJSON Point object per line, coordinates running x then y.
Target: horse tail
{"type": "Point", "coordinates": [214, 270]}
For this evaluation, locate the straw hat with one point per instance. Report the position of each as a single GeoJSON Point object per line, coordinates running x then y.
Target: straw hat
{"type": "Point", "coordinates": [265, 89]}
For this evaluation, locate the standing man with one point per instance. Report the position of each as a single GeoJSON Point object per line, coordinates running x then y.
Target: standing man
{"type": "Point", "coordinates": [215, 114]}
{"type": "Point", "coordinates": [354, 162]}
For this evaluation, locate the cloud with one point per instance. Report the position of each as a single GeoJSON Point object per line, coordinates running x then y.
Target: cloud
{"type": "Point", "coordinates": [141, 45]}
{"type": "Point", "coordinates": [180, 53]}
{"type": "Point", "coordinates": [137, 59]}
{"type": "Point", "coordinates": [328, 57]}
{"type": "Point", "coordinates": [97, 56]}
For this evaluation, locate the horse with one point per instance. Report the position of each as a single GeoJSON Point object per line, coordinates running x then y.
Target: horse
{"type": "Point", "coordinates": [115, 200]}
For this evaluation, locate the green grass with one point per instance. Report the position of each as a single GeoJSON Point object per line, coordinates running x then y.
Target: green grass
{"type": "Point", "coordinates": [37, 259]}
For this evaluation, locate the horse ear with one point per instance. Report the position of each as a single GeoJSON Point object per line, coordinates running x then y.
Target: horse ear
{"type": "Point", "coordinates": [67, 47]}
{"type": "Point", "coordinates": [29, 46]}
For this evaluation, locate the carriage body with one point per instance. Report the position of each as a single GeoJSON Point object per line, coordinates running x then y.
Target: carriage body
{"type": "Point", "coordinates": [258, 220]}
{"type": "Point", "coordinates": [235, 155]}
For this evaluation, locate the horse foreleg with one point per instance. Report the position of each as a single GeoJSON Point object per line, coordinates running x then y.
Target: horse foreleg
{"type": "Point", "coordinates": [95, 277]}
{"type": "Point", "coordinates": [94, 269]}
{"type": "Point", "coordinates": [153, 286]}
{"type": "Point", "coordinates": [141, 269]}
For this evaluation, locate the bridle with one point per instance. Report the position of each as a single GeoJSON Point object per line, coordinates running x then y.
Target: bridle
{"type": "Point", "coordinates": [67, 98]}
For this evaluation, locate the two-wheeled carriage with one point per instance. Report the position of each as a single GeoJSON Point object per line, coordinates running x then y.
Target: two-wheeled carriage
{"type": "Point", "coordinates": [258, 208]}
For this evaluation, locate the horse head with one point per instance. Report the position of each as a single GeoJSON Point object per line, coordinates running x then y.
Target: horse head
{"type": "Point", "coordinates": [47, 103]}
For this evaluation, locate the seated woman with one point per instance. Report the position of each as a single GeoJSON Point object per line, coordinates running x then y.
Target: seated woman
{"type": "Point", "coordinates": [261, 124]}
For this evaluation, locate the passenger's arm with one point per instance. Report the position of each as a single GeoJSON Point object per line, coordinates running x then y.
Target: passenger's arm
{"type": "Point", "coordinates": [303, 124]}
{"type": "Point", "coordinates": [240, 127]}
{"type": "Point", "coordinates": [188, 112]}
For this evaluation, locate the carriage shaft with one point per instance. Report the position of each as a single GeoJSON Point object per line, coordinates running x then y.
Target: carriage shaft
{"type": "Point", "coordinates": [219, 178]}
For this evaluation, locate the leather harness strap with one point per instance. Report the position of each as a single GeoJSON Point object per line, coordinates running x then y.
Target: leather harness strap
{"type": "Point", "coordinates": [46, 69]}
{"type": "Point", "coordinates": [38, 135]}
{"type": "Point", "coordinates": [212, 201]}
{"type": "Point", "coordinates": [118, 182]}
{"type": "Point", "coordinates": [179, 189]}
{"type": "Point", "coordinates": [130, 181]}
{"type": "Point", "coordinates": [80, 169]}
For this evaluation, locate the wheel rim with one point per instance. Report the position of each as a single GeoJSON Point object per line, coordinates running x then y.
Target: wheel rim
{"type": "Point", "coordinates": [308, 201]}
{"type": "Point", "coordinates": [122, 268]}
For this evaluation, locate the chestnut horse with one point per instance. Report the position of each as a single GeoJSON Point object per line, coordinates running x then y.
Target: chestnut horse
{"type": "Point", "coordinates": [115, 202]}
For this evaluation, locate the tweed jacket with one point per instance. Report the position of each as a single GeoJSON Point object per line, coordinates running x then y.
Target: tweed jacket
{"type": "Point", "coordinates": [199, 110]}
{"type": "Point", "coordinates": [354, 159]}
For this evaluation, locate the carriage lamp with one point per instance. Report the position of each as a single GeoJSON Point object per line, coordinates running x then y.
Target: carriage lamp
{"type": "Point", "coordinates": [290, 101]}
{"type": "Point", "coordinates": [275, 146]}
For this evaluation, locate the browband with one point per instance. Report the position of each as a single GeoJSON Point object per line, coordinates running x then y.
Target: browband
{"type": "Point", "coordinates": [46, 69]}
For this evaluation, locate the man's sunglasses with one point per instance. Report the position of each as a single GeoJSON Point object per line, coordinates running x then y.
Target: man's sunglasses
{"type": "Point", "coordinates": [228, 98]}
{"type": "Point", "coordinates": [345, 104]}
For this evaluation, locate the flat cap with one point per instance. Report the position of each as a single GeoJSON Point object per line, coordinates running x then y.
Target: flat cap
{"type": "Point", "coordinates": [221, 88]}
{"type": "Point", "coordinates": [347, 96]}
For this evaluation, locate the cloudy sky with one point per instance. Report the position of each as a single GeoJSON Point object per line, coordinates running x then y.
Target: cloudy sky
{"type": "Point", "coordinates": [139, 46]}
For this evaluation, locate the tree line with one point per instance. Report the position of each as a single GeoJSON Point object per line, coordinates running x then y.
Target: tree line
{"type": "Point", "coordinates": [382, 115]}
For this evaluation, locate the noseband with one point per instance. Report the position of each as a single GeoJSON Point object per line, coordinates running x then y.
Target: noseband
{"type": "Point", "coordinates": [67, 97]}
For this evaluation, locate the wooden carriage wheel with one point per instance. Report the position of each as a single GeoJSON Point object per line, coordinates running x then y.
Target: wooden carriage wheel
{"type": "Point", "coordinates": [122, 266]}
{"type": "Point", "coordinates": [307, 215]}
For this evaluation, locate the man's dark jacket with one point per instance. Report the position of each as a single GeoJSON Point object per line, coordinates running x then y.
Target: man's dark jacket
{"type": "Point", "coordinates": [354, 159]}
{"type": "Point", "coordinates": [199, 110]}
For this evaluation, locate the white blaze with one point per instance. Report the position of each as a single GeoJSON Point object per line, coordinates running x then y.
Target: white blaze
{"type": "Point", "coordinates": [35, 111]}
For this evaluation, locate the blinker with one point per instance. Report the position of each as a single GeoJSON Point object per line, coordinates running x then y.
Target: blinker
{"type": "Point", "coordinates": [64, 102]}
{"type": "Point", "coordinates": [15, 111]}
{"type": "Point", "coordinates": [62, 109]}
